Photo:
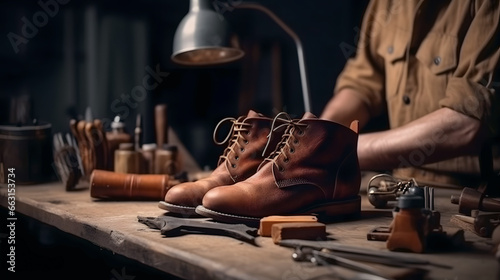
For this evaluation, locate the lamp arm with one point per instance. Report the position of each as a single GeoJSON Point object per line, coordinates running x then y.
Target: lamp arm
{"type": "Point", "coordinates": [298, 44]}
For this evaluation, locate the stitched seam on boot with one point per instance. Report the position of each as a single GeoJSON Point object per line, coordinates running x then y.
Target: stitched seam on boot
{"type": "Point", "coordinates": [294, 181]}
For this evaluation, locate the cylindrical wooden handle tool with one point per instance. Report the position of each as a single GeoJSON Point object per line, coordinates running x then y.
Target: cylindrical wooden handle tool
{"type": "Point", "coordinates": [161, 125]}
{"type": "Point", "coordinates": [118, 186]}
{"type": "Point", "coordinates": [84, 150]}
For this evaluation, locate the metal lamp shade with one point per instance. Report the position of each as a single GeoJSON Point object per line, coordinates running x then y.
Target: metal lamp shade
{"type": "Point", "coordinates": [202, 38]}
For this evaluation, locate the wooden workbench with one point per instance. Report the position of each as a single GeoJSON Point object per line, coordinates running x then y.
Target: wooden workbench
{"type": "Point", "coordinates": [114, 226]}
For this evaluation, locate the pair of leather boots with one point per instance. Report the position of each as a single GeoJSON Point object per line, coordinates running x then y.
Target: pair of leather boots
{"type": "Point", "coordinates": [279, 166]}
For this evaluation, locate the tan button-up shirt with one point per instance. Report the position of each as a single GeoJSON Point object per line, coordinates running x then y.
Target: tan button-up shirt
{"type": "Point", "coordinates": [415, 57]}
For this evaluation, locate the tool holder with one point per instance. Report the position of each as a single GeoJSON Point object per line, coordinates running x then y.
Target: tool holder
{"type": "Point", "coordinates": [415, 223]}
{"type": "Point", "coordinates": [384, 188]}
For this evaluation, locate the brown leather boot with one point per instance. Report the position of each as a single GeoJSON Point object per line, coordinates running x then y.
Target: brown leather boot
{"type": "Point", "coordinates": [314, 169]}
{"type": "Point", "coordinates": [245, 151]}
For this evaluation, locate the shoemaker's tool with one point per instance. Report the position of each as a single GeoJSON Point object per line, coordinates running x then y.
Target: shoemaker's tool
{"type": "Point", "coordinates": [171, 226]}
{"type": "Point", "coordinates": [320, 257]}
{"type": "Point", "coordinates": [97, 144]}
{"type": "Point", "coordinates": [161, 125]}
{"type": "Point", "coordinates": [166, 160]}
{"type": "Point", "coordinates": [416, 226]}
{"type": "Point", "coordinates": [127, 160]}
{"type": "Point", "coordinates": [411, 225]}
{"type": "Point", "coordinates": [115, 137]}
{"type": "Point", "coordinates": [118, 186]}
{"type": "Point", "coordinates": [84, 147]}
{"type": "Point", "coordinates": [472, 199]}
{"type": "Point", "coordinates": [397, 259]}
{"type": "Point", "coordinates": [481, 223]}
{"type": "Point", "coordinates": [384, 188]}
{"type": "Point", "coordinates": [66, 160]}
{"type": "Point", "coordinates": [138, 133]}
{"type": "Point", "coordinates": [76, 137]}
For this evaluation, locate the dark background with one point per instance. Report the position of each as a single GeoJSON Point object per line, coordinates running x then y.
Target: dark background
{"type": "Point", "coordinates": [90, 53]}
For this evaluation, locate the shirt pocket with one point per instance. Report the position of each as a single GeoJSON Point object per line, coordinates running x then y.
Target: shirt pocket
{"type": "Point", "coordinates": [392, 49]}
{"type": "Point", "coordinates": [438, 52]}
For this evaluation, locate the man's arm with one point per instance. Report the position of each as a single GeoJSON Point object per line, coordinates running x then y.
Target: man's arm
{"type": "Point", "coordinates": [345, 107]}
{"type": "Point", "coordinates": [437, 136]}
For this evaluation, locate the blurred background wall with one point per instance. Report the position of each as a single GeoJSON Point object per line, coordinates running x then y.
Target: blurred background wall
{"type": "Point", "coordinates": [60, 57]}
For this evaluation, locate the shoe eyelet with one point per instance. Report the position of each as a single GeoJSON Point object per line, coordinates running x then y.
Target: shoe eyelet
{"type": "Point", "coordinates": [242, 149]}
{"type": "Point", "coordinates": [246, 142]}
{"type": "Point", "coordinates": [301, 132]}
{"type": "Point", "coordinates": [286, 160]}
{"type": "Point", "coordinates": [292, 150]}
{"type": "Point", "coordinates": [281, 169]}
{"type": "Point", "coordinates": [296, 142]}
{"type": "Point", "coordinates": [236, 157]}
{"type": "Point", "coordinates": [233, 165]}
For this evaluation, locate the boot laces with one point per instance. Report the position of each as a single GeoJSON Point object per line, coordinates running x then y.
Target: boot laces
{"type": "Point", "coordinates": [287, 138]}
{"type": "Point", "coordinates": [237, 131]}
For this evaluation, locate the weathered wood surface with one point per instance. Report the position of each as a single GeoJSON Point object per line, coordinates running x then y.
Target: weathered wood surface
{"type": "Point", "coordinates": [114, 226]}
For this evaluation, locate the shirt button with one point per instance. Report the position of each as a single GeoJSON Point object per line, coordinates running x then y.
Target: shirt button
{"type": "Point", "coordinates": [406, 99]}
{"type": "Point", "coordinates": [390, 49]}
{"type": "Point", "coordinates": [437, 60]}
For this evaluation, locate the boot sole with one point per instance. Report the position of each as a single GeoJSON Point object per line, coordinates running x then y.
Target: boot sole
{"type": "Point", "coordinates": [326, 212]}
{"type": "Point", "coordinates": [178, 209]}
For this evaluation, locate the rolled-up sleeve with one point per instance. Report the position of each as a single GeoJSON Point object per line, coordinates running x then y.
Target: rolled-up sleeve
{"type": "Point", "coordinates": [364, 72]}
{"type": "Point", "coordinates": [469, 88]}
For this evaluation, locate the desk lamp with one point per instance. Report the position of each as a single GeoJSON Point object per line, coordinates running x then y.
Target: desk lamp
{"type": "Point", "coordinates": [202, 39]}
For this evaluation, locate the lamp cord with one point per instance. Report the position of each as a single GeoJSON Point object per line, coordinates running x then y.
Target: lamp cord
{"type": "Point", "coordinates": [300, 52]}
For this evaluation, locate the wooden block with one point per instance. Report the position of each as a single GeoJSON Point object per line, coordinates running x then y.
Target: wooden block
{"type": "Point", "coordinates": [306, 231]}
{"type": "Point", "coordinates": [266, 223]}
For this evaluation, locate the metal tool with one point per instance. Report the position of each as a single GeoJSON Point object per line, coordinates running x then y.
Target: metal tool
{"type": "Point", "coordinates": [383, 188]}
{"type": "Point", "coordinates": [481, 223]}
{"type": "Point", "coordinates": [472, 199]}
{"type": "Point", "coordinates": [169, 225]}
{"type": "Point", "coordinates": [161, 125]}
{"type": "Point", "coordinates": [395, 258]}
{"type": "Point", "coordinates": [320, 257]}
{"type": "Point", "coordinates": [138, 133]}
{"type": "Point", "coordinates": [66, 161]}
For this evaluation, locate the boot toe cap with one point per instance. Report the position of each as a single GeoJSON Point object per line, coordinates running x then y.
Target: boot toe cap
{"type": "Point", "coordinates": [186, 194]}
{"type": "Point", "coordinates": [223, 199]}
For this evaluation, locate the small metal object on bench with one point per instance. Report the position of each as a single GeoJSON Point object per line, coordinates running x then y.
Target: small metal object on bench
{"type": "Point", "coordinates": [320, 257]}
{"type": "Point", "coordinates": [396, 258]}
{"type": "Point", "coordinates": [169, 225]}
{"type": "Point", "coordinates": [384, 188]}
{"type": "Point", "coordinates": [472, 199]}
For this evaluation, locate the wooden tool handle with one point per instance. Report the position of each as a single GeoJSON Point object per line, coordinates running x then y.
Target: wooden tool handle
{"type": "Point", "coordinates": [84, 149]}
{"type": "Point", "coordinates": [119, 186]}
{"type": "Point", "coordinates": [161, 125]}
{"type": "Point", "coordinates": [91, 144]}
{"type": "Point", "coordinates": [101, 145]}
